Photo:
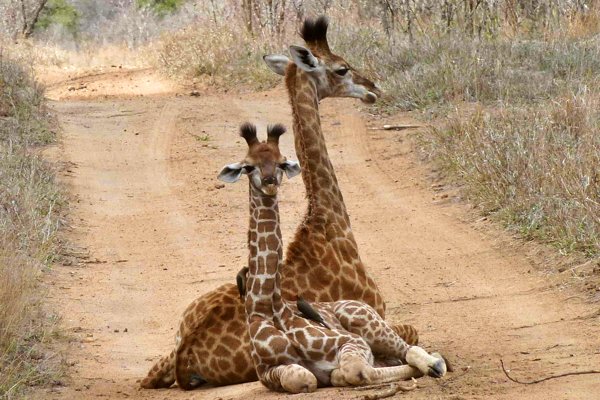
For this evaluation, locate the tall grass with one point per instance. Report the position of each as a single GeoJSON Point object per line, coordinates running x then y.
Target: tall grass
{"type": "Point", "coordinates": [30, 203]}
{"type": "Point", "coordinates": [222, 55]}
{"type": "Point", "coordinates": [531, 153]}
{"type": "Point", "coordinates": [536, 168]}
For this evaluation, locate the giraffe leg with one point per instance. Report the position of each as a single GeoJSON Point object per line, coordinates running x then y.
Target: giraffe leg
{"type": "Point", "coordinates": [408, 333]}
{"type": "Point", "coordinates": [276, 360]}
{"type": "Point", "coordinates": [356, 368]}
{"type": "Point", "coordinates": [291, 378]}
{"type": "Point", "coordinates": [384, 340]}
{"type": "Point", "coordinates": [162, 374]}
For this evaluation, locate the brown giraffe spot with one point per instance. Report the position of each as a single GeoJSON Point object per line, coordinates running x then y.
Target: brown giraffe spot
{"type": "Point", "coordinates": [209, 342]}
{"type": "Point", "coordinates": [262, 351]}
{"type": "Point", "coordinates": [222, 351]}
{"type": "Point", "coordinates": [224, 364]}
{"type": "Point", "coordinates": [227, 313]}
{"type": "Point", "coordinates": [334, 290]}
{"type": "Point", "coordinates": [300, 337]}
{"type": "Point", "coordinates": [239, 358]}
{"type": "Point", "coordinates": [272, 258]}
{"type": "Point", "coordinates": [313, 332]}
{"type": "Point", "coordinates": [264, 333]}
{"type": "Point", "coordinates": [314, 355]}
{"type": "Point", "coordinates": [231, 341]}
{"type": "Point", "coordinates": [262, 244]}
{"type": "Point", "coordinates": [278, 344]}
{"type": "Point", "coordinates": [317, 343]}
{"type": "Point", "coordinates": [268, 226]}
{"type": "Point", "coordinates": [266, 214]}
{"type": "Point", "coordinates": [329, 343]}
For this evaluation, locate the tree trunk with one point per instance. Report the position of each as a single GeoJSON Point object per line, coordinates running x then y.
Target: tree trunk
{"type": "Point", "coordinates": [29, 26]}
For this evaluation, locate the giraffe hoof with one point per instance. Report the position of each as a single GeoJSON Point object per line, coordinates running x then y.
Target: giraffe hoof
{"type": "Point", "coordinates": [431, 365]}
{"type": "Point", "coordinates": [297, 379]}
{"type": "Point", "coordinates": [438, 369]}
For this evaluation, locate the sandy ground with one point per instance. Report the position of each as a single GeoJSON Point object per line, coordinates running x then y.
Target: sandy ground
{"type": "Point", "coordinates": [153, 229]}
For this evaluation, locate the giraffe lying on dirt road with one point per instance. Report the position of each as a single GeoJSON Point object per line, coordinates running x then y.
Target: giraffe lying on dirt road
{"type": "Point", "coordinates": [290, 352]}
{"type": "Point", "coordinates": [322, 263]}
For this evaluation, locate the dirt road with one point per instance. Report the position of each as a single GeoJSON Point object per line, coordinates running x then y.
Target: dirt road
{"type": "Point", "coordinates": [155, 230]}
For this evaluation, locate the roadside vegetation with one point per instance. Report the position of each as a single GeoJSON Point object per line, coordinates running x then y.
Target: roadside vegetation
{"type": "Point", "coordinates": [511, 87]}
{"type": "Point", "coordinates": [528, 156]}
{"type": "Point", "coordinates": [30, 204]}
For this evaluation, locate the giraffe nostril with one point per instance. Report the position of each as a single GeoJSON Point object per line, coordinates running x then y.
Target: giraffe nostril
{"type": "Point", "coordinates": [269, 180]}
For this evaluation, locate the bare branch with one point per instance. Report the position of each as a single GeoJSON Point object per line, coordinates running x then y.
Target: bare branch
{"type": "Point", "coordinates": [593, 371]}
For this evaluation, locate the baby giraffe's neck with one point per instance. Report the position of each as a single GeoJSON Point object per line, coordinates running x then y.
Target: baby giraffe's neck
{"type": "Point", "coordinates": [265, 254]}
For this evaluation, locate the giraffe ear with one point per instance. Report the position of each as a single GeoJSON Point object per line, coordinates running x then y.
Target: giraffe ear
{"type": "Point", "coordinates": [231, 173]}
{"type": "Point", "coordinates": [291, 168]}
{"type": "Point", "coordinates": [277, 62]}
{"type": "Point", "coordinates": [303, 58]}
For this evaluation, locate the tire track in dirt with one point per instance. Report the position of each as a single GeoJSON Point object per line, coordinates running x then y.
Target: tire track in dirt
{"type": "Point", "coordinates": [147, 207]}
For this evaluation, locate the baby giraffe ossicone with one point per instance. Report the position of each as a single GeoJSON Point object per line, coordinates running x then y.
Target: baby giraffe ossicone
{"type": "Point", "coordinates": [292, 353]}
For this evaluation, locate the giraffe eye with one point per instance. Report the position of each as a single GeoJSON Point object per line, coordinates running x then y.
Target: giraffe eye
{"type": "Point", "coordinates": [342, 71]}
{"type": "Point", "coordinates": [248, 168]}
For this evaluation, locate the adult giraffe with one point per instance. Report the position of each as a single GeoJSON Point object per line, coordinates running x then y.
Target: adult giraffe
{"type": "Point", "coordinates": [322, 261]}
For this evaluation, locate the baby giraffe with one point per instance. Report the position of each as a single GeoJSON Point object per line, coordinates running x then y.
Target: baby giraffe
{"type": "Point", "coordinates": [292, 353]}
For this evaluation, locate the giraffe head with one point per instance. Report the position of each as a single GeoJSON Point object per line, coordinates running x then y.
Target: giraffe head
{"type": "Point", "coordinates": [263, 163]}
{"type": "Point", "coordinates": [333, 76]}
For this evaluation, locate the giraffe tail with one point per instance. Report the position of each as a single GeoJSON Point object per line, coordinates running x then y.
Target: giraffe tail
{"type": "Point", "coordinates": [162, 374]}
{"type": "Point", "coordinates": [408, 333]}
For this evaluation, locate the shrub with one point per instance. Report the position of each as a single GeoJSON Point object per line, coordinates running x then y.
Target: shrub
{"type": "Point", "coordinates": [536, 168]}
{"type": "Point", "coordinates": [30, 203]}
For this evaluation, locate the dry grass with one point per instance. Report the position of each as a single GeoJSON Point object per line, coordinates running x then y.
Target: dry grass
{"type": "Point", "coordinates": [221, 55]}
{"type": "Point", "coordinates": [440, 70]}
{"type": "Point", "coordinates": [535, 168]}
{"type": "Point", "coordinates": [30, 201]}
{"type": "Point", "coordinates": [534, 163]}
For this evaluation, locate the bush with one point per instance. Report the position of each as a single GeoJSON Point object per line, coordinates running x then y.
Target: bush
{"type": "Point", "coordinates": [30, 203]}
{"type": "Point", "coordinates": [536, 168]}
{"type": "Point", "coordinates": [434, 71]}
{"type": "Point", "coordinates": [222, 55]}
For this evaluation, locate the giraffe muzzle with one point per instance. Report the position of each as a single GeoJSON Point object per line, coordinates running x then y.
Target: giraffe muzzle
{"type": "Point", "coordinates": [269, 189]}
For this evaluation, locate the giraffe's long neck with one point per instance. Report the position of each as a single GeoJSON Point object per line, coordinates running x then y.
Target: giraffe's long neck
{"type": "Point", "coordinates": [321, 184]}
{"type": "Point", "coordinates": [265, 254]}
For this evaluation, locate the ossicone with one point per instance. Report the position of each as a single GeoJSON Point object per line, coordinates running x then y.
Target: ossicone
{"type": "Point", "coordinates": [248, 132]}
{"type": "Point", "coordinates": [273, 133]}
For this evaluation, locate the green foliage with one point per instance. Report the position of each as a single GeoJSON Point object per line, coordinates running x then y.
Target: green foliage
{"type": "Point", "coordinates": [161, 7]}
{"type": "Point", "coordinates": [59, 12]}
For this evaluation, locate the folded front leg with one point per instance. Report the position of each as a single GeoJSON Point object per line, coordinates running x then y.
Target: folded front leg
{"type": "Point", "coordinates": [292, 378]}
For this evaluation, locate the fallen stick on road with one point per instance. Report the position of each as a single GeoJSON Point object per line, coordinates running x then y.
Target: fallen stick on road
{"type": "Point", "coordinates": [395, 127]}
{"type": "Point", "coordinates": [593, 371]}
{"type": "Point", "coordinates": [392, 390]}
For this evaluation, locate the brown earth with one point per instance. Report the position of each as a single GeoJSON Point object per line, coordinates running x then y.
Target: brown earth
{"type": "Point", "coordinates": [153, 229]}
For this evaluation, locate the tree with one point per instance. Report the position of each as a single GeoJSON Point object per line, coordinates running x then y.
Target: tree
{"type": "Point", "coordinates": [59, 12]}
{"type": "Point", "coordinates": [30, 14]}
{"type": "Point", "coordinates": [161, 7]}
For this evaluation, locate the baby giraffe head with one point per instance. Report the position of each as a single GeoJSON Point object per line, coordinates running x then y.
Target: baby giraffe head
{"type": "Point", "coordinates": [263, 163]}
{"type": "Point", "coordinates": [333, 76]}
